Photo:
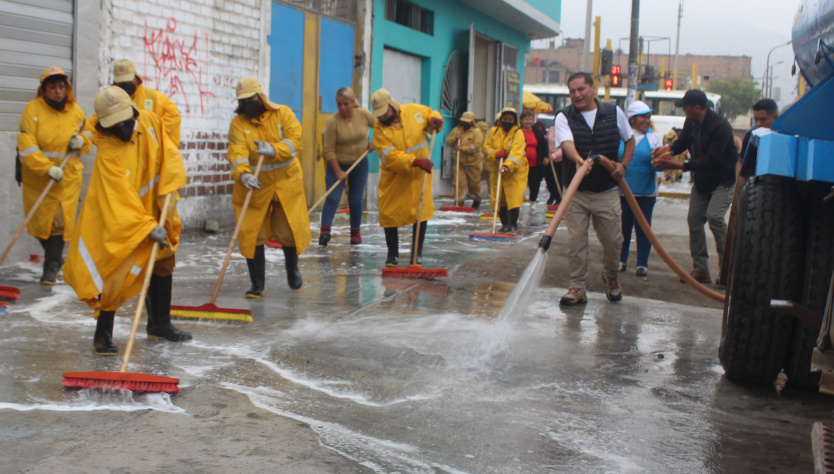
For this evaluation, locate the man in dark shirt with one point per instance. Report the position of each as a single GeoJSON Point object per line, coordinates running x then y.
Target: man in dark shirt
{"type": "Point", "coordinates": [709, 139]}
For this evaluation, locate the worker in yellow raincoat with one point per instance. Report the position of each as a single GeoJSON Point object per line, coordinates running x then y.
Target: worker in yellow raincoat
{"type": "Point", "coordinates": [401, 136]}
{"type": "Point", "coordinates": [124, 76]}
{"type": "Point", "coordinates": [136, 167]}
{"type": "Point", "coordinates": [467, 140]}
{"type": "Point", "coordinates": [506, 148]}
{"type": "Point", "coordinates": [278, 206]}
{"type": "Point", "coordinates": [52, 125]}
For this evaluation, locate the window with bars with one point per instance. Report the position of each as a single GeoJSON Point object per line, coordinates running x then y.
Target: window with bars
{"type": "Point", "coordinates": [410, 15]}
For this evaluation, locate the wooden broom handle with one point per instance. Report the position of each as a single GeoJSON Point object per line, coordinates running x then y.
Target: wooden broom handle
{"type": "Point", "coordinates": [235, 233]}
{"type": "Point", "coordinates": [321, 199]}
{"type": "Point", "coordinates": [34, 209]}
{"type": "Point", "coordinates": [497, 195]}
{"type": "Point", "coordinates": [140, 305]}
{"type": "Point", "coordinates": [420, 207]}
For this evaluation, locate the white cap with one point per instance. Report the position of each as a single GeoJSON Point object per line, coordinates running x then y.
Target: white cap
{"type": "Point", "coordinates": [638, 107]}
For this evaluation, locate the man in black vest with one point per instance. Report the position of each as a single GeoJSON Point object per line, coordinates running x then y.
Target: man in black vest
{"type": "Point", "coordinates": [588, 127]}
{"type": "Point", "coordinates": [709, 139]}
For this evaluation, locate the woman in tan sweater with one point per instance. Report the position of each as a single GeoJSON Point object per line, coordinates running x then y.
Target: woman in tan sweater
{"type": "Point", "coordinates": [345, 140]}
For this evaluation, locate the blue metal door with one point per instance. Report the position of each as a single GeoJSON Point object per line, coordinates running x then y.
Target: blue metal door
{"type": "Point", "coordinates": [286, 68]}
{"type": "Point", "coordinates": [335, 61]}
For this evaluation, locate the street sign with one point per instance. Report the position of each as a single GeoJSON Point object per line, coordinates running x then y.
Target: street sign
{"type": "Point", "coordinates": [647, 87]}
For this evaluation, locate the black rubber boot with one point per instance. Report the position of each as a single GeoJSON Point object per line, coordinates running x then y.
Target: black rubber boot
{"type": "Point", "coordinates": [291, 263]}
{"type": "Point", "coordinates": [158, 305]}
{"type": "Point", "coordinates": [103, 339]}
{"type": "Point", "coordinates": [476, 205]}
{"type": "Point", "coordinates": [392, 240]}
{"type": "Point", "coordinates": [504, 215]}
{"type": "Point", "coordinates": [419, 244]}
{"type": "Point", "coordinates": [324, 235]}
{"type": "Point", "coordinates": [53, 249]}
{"type": "Point", "coordinates": [257, 273]}
{"type": "Point", "coordinates": [512, 221]}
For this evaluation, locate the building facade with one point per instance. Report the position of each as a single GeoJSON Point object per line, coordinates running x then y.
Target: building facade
{"type": "Point", "coordinates": [302, 51]}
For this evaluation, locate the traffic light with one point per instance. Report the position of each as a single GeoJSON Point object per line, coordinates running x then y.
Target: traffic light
{"type": "Point", "coordinates": [615, 76]}
{"type": "Point", "coordinates": [668, 84]}
{"type": "Point", "coordinates": [607, 60]}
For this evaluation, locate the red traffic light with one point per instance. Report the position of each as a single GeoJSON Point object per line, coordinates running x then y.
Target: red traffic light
{"type": "Point", "coordinates": [668, 84]}
{"type": "Point", "coordinates": [615, 75]}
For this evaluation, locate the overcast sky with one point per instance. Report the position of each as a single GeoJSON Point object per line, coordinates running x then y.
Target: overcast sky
{"type": "Point", "coordinates": [720, 27]}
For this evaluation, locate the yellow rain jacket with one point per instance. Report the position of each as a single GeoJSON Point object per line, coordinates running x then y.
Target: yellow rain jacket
{"type": "Point", "coordinates": [471, 142]}
{"type": "Point", "coordinates": [110, 247]}
{"type": "Point", "coordinates": [514, 181]}
{"type": "Point", "coordinates": [399, 180]}
{"type": "Point", "coordinates": [158, 103]}
{"type": "Point", "coordinates": [44, 139]}
{"type": "Point", "coordinates": [281, 177]}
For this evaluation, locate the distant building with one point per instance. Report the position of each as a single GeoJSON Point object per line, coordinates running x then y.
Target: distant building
{"type": "Point", "coordinates": [553, 66]}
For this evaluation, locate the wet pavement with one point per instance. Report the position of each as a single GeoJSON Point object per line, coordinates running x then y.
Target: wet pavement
{"type": "Point", "coordinates": [356, 373]}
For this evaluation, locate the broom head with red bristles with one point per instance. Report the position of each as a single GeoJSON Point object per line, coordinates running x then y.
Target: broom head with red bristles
{"type": "Point", "coordinates": [121, 381]}
{"type": "Point", "coordinates": [211, 312]}
{"type": "Point", "coordinates": [415, 271]}
{"type": "Point", "coordinates": [274, 244]}
{"type": "Point", "coordinates": [496, 237]}
{"type": "Point", "coordinates": [9, 293]}
{"type": "Point", "coordinates": [487, 217]}
{"type": "Point", "coordinates": [457, 209]}
{"type": "Point", "coordinates": [347, 211]}
{"type": "Point", "coordinates": [552, 207]}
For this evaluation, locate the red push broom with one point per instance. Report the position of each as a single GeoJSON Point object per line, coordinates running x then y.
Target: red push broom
{"type": "Point", "coordinates": [211, 311]}
{"type": "Point", "coordinates": [124, 380]}
{"type": "Point", "coordinates": [414, 270]}
{"type": "Point", "coordinates": [10, 292]}
{"type": "Point", "coordinates": [495, 236]}
{"type": "Point", "coordinates": [457, 208]}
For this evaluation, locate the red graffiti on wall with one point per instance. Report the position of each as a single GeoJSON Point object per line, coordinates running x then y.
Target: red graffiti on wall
{"type": "Point", "coordinates": [174, 61]}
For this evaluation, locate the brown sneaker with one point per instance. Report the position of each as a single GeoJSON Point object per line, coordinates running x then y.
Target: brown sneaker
{"type": "Point", "coordinates": [612, 289]}
{"type": "Point", "coordinates": [574, 296]}
{"type": "Point", "coordinates": [701, 276]}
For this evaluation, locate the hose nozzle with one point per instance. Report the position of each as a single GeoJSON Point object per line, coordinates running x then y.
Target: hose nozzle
{"type": "Point", "coordinates": [544, 243]}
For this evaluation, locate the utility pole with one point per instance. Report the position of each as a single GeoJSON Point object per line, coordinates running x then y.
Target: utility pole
{"type": "Point", "coordinates": [677, 48]}
{"type": "Point", "coordinates": [631, 96]}
{"type": "Point", "coordinates": [595, 67]}
{"type": "Point", "coordinates": [586, 59]}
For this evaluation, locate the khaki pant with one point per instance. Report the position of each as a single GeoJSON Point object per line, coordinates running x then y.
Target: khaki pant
{"type": "Point", "coordinates": [58, 222]}
{"type": "Point", "coordinates": [280, 225]}
{"type": "Point", "coordinates": [469, 178]}
{"type": "Point", "coordinates": [604, 211]}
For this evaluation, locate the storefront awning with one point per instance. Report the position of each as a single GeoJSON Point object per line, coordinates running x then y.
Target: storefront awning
{"type": "Point", "coordinates": [519, 15]}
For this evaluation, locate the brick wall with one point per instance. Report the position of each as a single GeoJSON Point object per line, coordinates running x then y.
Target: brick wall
{"type": "Point", "coordinates": [194, 53]}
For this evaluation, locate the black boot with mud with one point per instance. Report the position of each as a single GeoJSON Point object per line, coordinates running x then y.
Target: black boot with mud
{"type": "Point", "coordinates": [158, 305]}
{"type": "Point", "coordinates": [53, 249]}
{"type": "Point", "coordinates": [103, 338]}
{"type": "Point", "coordinates": [291, 264]}
{"type": "Point", "coordinates": [257, 273]}
{"type": "Point", "coordinates": [392, 241]}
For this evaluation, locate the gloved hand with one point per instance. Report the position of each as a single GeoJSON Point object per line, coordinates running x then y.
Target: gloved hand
{"type": "Point", "coordinates": [76, 142]}
{"type": "Point", "coordinates": [504, 169]}
{"type": "Point", "coordinates": [436, 123]}
{"type": "Point", "coordinates": [249, 181]}
{"type": "Point", "coordinates": [424, 164]}
{"type": "Point", "coordinates": [55, 173]}
{"type": "Point", "coordinates": [159, 235]}
{"type": "Point", "coordinates": [500, 154]}
{"type": "Point", "coordinates": [265, 149]}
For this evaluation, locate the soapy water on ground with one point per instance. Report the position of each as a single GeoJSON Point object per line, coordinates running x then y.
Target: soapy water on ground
{"type": "Point", "coordinates": [408, 376]}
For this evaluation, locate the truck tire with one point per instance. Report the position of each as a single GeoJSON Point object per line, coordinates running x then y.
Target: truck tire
{"type": "Point", "coordinates": [819, 263]}
{"type": "Point", "coordinates": [766, 264]}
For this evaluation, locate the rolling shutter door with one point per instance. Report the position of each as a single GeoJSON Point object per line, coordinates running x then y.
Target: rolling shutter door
{"type": "Point", "coordinates": [34, 34]}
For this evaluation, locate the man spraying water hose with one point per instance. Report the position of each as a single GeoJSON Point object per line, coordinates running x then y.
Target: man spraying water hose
{"type": "Point", "coordinates": [590, 127]}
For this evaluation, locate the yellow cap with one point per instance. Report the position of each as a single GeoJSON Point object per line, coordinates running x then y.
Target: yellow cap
{"type": "Point", "coordinates": [509, 110]}
{"type": "Point", "coordinates": [113, 106]}
{"type": "Point", "coordinates": [53, 71]}
{"type": "Point", "coordinates": [467, 117]}
{"type": "Point", "coordinates": [380, 100]}
{"type": "Point", "coordinates": [247, 87]}
{"type": "Point", "coordinates": [123, 71]}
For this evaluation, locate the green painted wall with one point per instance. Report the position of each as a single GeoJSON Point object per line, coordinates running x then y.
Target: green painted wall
{"type": "Point", "coordinates": [551, 8]}
{"type": "Point", "coordinates": [451, 31]}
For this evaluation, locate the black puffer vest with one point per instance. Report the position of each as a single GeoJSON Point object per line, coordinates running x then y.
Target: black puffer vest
{"type": "Point", "coordinates": [604, 139]}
